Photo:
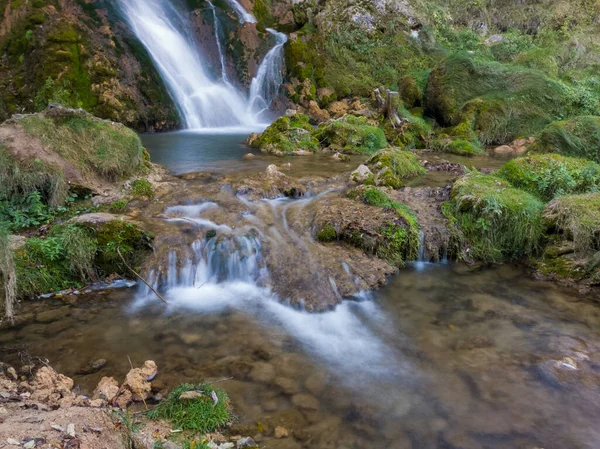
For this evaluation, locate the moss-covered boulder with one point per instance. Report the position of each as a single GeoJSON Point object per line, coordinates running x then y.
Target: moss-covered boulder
{"type": "Point", "coordinates": [369, 220]}
{"type": "Point", "coordinates": [494, 221]}
{"type": "Point", "coordinates": [390, 167]}
{"type": "Point", "coordinates": [350, 134]}
{"type": "Point", "coordinates": [577, 218]}
{"type": "Point", "coordinates": [578, 137]}
{"type": "Point", "coordinates": [286, 135]}
{"type": "Point", "coordinates": [502, 102]}
{"type": "Point", "coordinates": [550, 175]}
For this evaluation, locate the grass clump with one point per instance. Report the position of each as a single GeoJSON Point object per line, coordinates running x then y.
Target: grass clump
{"type": "Point", "coordinates": [413, 132]}
{"type": "Point", "coordinates": [286, 135]}
{"type": "Point", "coordinates": [551, 175]}
{"type": "Point", "coordinates": [118, 206]}
{"type": "Point", "coordinates": [578, 137]}
{"type": "Point", "coordinates": [200, 414]}
{"type": "Point", "coordinates": [107, 149]}
{"type": "Point", "coordinates": [578, 218]}
{"type": "Point", "coordinates": [497, 221]}
{"type": "Point", "coordinates": [392, 165]}
{"type": "Point", "coordinates": [460, 147]}
{"type": "Point", "coordinates": [142, 188]}
{"type": "Point", "coordinates": [327, 233]}
{"type": "Point", "coordinates": [350, 134]}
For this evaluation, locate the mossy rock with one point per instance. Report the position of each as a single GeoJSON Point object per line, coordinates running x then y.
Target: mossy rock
{"type": "Point", "coordinates": [496, 221]}
{"type": "Point", "coordinates": [286, 135]}
{"type": "Point", "coordinates": [502, 101]}
{"type": "Point", "coordinates": [350, 134]}
{"type": "Point", "coordinates": [460, 147]}
{"type": "Point", "coordinates": [121, 236]}
{"type": "Point", "coordinates": [413, 132]}
{"type": "Point", "coordinates": [409, 92]}
{"type": "Point", "coordinates": [393, 165]}
{"type": "Point", "coordinates": [578, 137]}
{"type": "Point", "coordinates": [550, 175]}
{"type": "Point", "coordinates": [577, 218]}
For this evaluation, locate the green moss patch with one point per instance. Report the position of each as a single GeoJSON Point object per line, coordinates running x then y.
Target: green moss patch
{"type": "Point", "coordinates": [392, 165]}
{"type": "Point", "coordinates": [350, 134]}
{"type": "Point", "coordinates": [551, 175]}
{"type": "Point", "coordinates": [497, 221]}
{"type": "Point", "coordinates": [286, 135]}
{"type": "Point", "coordinates": [577, 217]}
{"type": "Point", "coordinates": [578, 137]}
{"type": "Point", "coordinates": [200, 413]}
{"type": "Point", "coordinates": [105, 148]}
{"type": "Point", "coordinates": [460, 147]}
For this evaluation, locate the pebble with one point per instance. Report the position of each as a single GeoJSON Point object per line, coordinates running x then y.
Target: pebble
{"type": "Point", "coordinates": [71, 430]}
{"type": "Point", "coordinates": [13, 442]}
{"type": "Point", "coordinates": [281, 432]}
{"type": "Point", "coordinates": [246, 442]}
{"type": "Point", "coordinates": [29, 445]}
{"type": "Point", "coordinates": [305, 401]}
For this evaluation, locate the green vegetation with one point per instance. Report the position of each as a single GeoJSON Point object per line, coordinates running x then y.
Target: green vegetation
{"type": "Point", "coordinates": [118, 206]}
{"type": "Point", "coordinates": [460, 147]}
{"type": "Point", "coordinates": [108, 149]}
{"type": "Point", "coordinates": [199, 414]}
{"type": "Point", "coordinates": [578, 137]}
{"type": "Point", "coordinates": [350, 134]}
{"type": "Point", "coordinates": [578, 218]}
{"type": "Point", "coordinates": [392, 165]}
{"type": "Point", "coordinates": [72, 255]}
{"type": "Point", "coordinates": [400, 240]}
{"type": "Point", "coordinates": [286, 135]}
{"type": "Point", "coordinates": [142, 188]}
{"type": "Point", "coordinates": [327, 233]}
{"type": "Point", "coordinates": [551, 175]}
{"type": "Point", "coordinates": [414, 132]}
{"type": "Point", "coordinates": [497, 222]}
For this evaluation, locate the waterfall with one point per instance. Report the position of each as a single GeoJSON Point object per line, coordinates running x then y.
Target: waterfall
{"type": "Point", "coordinates": [202, 101]}
{"type": "Point", "coordinates": [244, 15]}
{"type": "Point", "coordinates": [265, 85]}
{"type": "Point", "coordinates": [217, 38]}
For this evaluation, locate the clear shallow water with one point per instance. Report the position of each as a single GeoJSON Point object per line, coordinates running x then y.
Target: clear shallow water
{"type": "Point", "coordinates": [439, 358]}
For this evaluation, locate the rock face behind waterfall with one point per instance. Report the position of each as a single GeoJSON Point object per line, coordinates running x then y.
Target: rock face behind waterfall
{"type": "Point", "coordinates": [61, 51]}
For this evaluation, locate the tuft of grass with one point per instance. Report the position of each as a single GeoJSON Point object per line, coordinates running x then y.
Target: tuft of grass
{"type": "Point", "coordinates": [460, 147]}
{"type": "Point", "coordinates": [200, 414]}
{"type": "Point", "coordinates": [350, 134]}
{"type": "Point", "coordinates": [578, 218]}
{"type": "Point", "coordinates": [551, 175]}
{"type": "Point", "coordinates": [19, 179]}
{"type": "Point", "coordinates": [327, 233]}
{"type": "Point", "coordinates": [105, 148]}
{"type": "Point", "coordinates": [578, 137]}
{"type": "Point", "coordinates": [142, 188]}
{"type": "Point", "coordinates": [392, 165]}
{"type": "Point", "coordinates": [497, 221]}
{"type": "Point", "coordinates": [118, 206]}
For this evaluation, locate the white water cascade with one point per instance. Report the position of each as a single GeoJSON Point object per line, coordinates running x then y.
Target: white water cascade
{"type": "Point", "coordinates": [265, 85]}
{"type": "Point", "coordinates": [202, 101]}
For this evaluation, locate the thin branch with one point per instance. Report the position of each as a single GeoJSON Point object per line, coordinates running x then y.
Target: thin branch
{"type": "Point", "coordinates": [140, 278]}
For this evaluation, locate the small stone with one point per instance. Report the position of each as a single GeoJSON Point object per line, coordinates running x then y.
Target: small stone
{"type": "Point", "coordinates": [189, 395]}
{"type": "Point", "coordinates": [262, 373]}
{"type": "Point", "coordinates": [281, 432]}
{"type": "Point", "coordinates": [29, 445]}
{"type": "Point", "coordinates": [361, 174]}
{"type": "Point", "coordinates": [305, 401]}
{"type": "Point", "coordinates": [170, 445]}
{"type": "Point", "coordinates": [494, 39]}
{"type": "Point", "coordinates": [249, 156]}
{"type": "Point", "coordinates": [93, 367]}
{"type": "Point", "coordinates": [13, 442]}
{"type": "Point", "coordinates": [246, 442]}
{"type": "Point", "coordinates": [12, 373]}
{"type": "Point", "coordinates": [71, 430]}
{"type": "Point", "coordinates": [289, 386]}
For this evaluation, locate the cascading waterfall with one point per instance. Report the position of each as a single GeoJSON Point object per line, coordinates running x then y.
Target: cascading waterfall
{"type": "Point", "coordinates": [265, 85]}
{"type": "Point", "coordinates": [203, 102]}
{"type": "Point", "coordinates": [218, 40]}
{"type": "Point", "coordinates": [245, 16]}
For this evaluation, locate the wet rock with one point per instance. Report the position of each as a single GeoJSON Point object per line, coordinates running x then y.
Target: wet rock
{"type": "Point", "coordinates": [189, 396]}
{"type": "Point", "coordinates": [107, 389]}
{"type": "Point", "coordinates": [48, 316]}
{"type": "Point", "coordinates": [96, 218]}
{"type": "Point", "coordinates": [494, 39]}
{"type": "Point", "coordinates": [504, 149]}
{"type": "Point", "coordinates": [280, 432]}
{"type": "Point", "coordinates": [305, 402]}
{"type": "Point", "coordinates": [262, 373]}
{"type": "Point", "coordinates": [249, 155]}
{"type": "Point", "coordinates": [138, 380]}
{"type": "Point", "coordinates": [246, 442]}
{"type": "Point", "coordinates": [289, 386]}
{"type": "Point", "coordinates": [315, 383]}
{"type": "Point", "coordinates": [93, 367]}
{"type": "Point", "coordinates": [361, 174]}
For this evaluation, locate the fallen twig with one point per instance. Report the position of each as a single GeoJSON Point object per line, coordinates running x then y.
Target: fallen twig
{"type": "Point", "coordinates": [140, 277]}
